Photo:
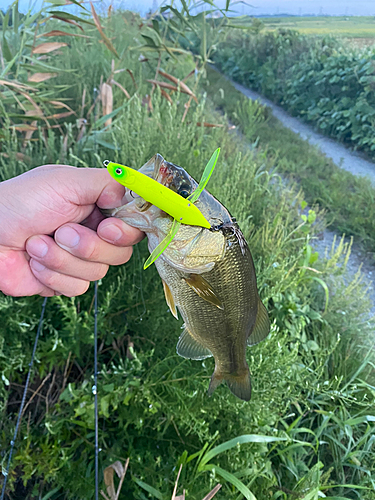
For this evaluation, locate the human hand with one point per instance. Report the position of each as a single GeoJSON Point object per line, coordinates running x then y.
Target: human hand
{"type": "Point", "coordinates": [43, 248]}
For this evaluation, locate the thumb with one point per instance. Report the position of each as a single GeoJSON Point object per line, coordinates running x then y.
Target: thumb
{"type": "Point", "coordinates": [41, 200]}
{"type": "Point", "coordinates": [88, 186]}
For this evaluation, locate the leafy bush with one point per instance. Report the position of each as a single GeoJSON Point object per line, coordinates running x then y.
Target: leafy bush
{"type": "Point", "coordinates": [326, 83]}
{"type": "Point", "coordinates": [322, 181]}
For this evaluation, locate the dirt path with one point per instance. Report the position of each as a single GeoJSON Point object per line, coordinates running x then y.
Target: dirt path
{"type": "Point", "coordinates": [344, 158]}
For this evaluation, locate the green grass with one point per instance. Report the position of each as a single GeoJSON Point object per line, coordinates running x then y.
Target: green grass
{"type": "Point", "coordinates": [349, 201]}
{"type": "Point", "coordinates": [312, 380]}
{"type": "Point", "coordinates": [154, 408]}
{"type": "Point", "coordinates": [341, 26]}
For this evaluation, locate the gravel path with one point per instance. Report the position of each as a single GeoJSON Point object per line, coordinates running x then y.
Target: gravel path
{"type": "Point", "coordinates": [344, 158]}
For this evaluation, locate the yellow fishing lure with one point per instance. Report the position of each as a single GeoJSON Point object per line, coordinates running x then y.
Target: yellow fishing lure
{"type": "Point", "coordinates": [181, 209]}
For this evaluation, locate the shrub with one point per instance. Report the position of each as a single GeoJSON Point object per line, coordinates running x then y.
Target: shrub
{"type": "Point", "coordinates": [324, 82]}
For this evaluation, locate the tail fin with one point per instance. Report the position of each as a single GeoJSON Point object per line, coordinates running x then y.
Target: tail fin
{"type": "Point", "coordinates": [239, 383]}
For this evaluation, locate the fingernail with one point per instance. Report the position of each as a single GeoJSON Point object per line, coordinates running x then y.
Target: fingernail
{"type": "Point", "coordinates": [36, 247]}
{"type": "Point", "coordinates": [67, 237]}
{"type": "Point", "coordinates": [37, 266]}
{"type": "Point", "coordinates": [110, 233]}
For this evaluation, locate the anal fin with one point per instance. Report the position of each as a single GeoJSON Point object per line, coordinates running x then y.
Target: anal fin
{"type": "Point", "coordinates": [202, 288]}
{"type": "Point", "coordinates": [262, 326]}
{"type": "Point", "coordinates": [170, 300]}
{"type": "Point", "coordinates": [189, 348]}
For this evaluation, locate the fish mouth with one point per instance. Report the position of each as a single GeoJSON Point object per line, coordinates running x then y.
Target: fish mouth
{"type": "Point", "coordinates": [163, 170]}
{"type": "Point", "coordinates": [159, 169]}
{"type": "Point", "coordinates": [152, 167]}
{"type": "Point", "coordinates": [164, 173]}
{"type": "Point", "coordinates": [156, 168]}
{"type": "Point", "coordinates": [169, 175]}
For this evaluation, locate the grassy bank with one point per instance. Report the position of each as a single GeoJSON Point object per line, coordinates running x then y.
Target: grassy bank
{"type": "Point", "coordinates": [309, 427]}
{"type": "Point", "coordinates": [347, 199]}
{"type": "Point", "coordinates": [338, 26]}
{"type": "Point", "coordinates": [154, 408]}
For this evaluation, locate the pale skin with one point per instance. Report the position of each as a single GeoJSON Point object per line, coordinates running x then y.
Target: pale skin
{"type": "Point", "coordinates": [53, 238]}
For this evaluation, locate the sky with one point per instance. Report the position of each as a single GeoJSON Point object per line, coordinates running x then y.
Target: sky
{"type": "Point", "coordinates": [295, 7]}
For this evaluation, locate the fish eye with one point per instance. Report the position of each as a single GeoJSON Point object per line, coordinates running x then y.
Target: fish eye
{"type": "Point", "coordinates": [184, 191]}
{"type": "Point", "coordinates": [118, 171]}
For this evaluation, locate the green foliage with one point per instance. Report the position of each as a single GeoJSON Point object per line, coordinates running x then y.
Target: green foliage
{"type": "Point", "coordinates": [309, 427]}
{"type": "Point", "coordinates": [71, 95]}
{"type": "Point", "coordinates": [328, 84]}
{"type": "Point", "coordinates": [322, 181]}
{"type": "Point", "coordinates": [153, 404]}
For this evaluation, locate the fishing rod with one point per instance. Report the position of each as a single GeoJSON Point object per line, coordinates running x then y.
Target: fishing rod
{"type": "Point", "coordinates": [94, 391]}
{"type": "Point", "coordinates": [13, 441]}
{"type": "Point", "coordinates": [95, 386]}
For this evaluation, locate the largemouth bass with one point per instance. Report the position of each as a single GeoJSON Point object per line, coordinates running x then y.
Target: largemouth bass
{"type": "Point", "coordinates": [208, 275]}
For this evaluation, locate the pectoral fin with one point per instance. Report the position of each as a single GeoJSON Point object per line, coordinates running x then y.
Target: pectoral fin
{"type": "Point", "coordinates": [170, 300]}
{"type": "Point", "coordinates": [202, 288]}
{"type": "Point", "coordinates": [189, 348]}
{"type": "Point", "coordinates": [262, 326]}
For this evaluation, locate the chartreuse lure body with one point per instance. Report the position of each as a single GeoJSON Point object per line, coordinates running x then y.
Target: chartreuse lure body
{"type": "Point", "coordinates": [181, 209]}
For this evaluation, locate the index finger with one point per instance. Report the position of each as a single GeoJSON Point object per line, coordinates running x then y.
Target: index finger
{"type": "Point", "coordinates": [89, 245]}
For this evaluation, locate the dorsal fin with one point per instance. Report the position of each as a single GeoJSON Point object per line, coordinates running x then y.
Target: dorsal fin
{"type": "Point", "coordinates": [262, 326]}
{"type": "Point", "coordinates": [189, 348]}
